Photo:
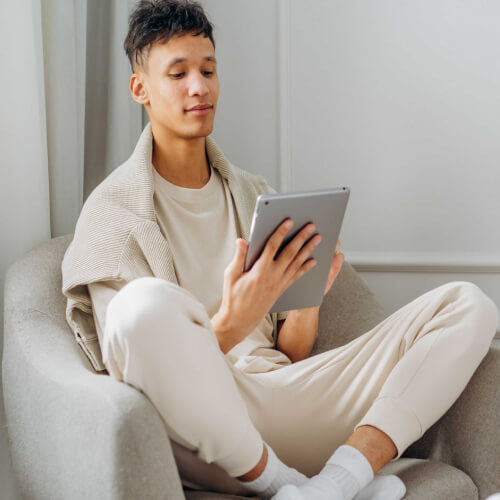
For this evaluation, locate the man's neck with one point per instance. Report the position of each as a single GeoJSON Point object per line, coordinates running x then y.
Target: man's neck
{"type": "Point", "coordinates": [181, 162]}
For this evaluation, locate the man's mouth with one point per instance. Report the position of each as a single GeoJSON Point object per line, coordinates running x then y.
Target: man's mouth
{"type": "Point", "coordinates": [200, 110]}
{"type": "Point", "coordinates": [200, 107]}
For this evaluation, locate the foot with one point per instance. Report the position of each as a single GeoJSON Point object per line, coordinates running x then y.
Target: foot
{"type": "Point", "coordinates": [317, 488]}
{"type": "Point", "coordinates": [388, 487]}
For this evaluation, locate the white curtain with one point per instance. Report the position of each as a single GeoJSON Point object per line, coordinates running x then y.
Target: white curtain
{"type": "Point", "coordinates": [67, 120]}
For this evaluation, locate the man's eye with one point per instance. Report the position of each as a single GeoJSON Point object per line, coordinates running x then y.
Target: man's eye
{"type": "Point", "coordinates": [208, 72]}
{"type": "Point", "coordinates": [176, 75]}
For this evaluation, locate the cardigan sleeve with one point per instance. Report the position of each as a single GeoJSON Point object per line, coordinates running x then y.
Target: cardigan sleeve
{"type": "Point", "coordinates": [101, 293]}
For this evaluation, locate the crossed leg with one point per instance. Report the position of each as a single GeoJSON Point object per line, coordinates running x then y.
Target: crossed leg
{"type": "Point", "coordinates": [378, 393]}
{"type": "Point", "coordinates": [400, 377]}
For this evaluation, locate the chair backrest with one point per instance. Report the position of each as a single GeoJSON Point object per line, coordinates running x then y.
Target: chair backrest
{"type": "Point", "coordinates": [33, 287]}
{"type": "Point", "coordinates": [347, 311]}
{"type": "Point", "coordinates": [38, 279]}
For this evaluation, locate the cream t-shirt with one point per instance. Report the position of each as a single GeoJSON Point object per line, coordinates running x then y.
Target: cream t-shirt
{"type": "Point", "coordinates": [200, 226]}
{"type": "Point", "coordinates": [201, 229]}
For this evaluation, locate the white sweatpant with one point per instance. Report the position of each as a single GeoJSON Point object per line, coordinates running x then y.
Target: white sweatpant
{"type": "Point", "coordinates": [401, 376]}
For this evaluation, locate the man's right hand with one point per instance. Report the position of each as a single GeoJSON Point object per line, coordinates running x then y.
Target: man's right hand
{"type": "Point", "coordinates": [248, 296]}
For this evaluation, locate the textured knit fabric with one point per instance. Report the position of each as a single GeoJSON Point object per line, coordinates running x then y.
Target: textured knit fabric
{"type": "Point", "coordinates": [200, 227]}
{"type": "Point", "coordinates": [117, 236]}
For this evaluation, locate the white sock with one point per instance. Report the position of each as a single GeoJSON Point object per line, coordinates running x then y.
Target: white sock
{"type": "Point", "coordinates": [388, 487]}
{"type": "Point", "coordinates": [275, 475]}
{"type": "Point", "coordinates": [345, 473]}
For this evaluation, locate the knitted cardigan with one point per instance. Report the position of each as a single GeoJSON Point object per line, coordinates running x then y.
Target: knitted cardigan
{"type": "Point", "coordinates": [117, 235]}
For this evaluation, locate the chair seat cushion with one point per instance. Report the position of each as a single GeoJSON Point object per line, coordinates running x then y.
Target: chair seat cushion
{"type": "Point", "coordinates": [432, 480]}
{"type": "Point", "coordinates": [423, 479]}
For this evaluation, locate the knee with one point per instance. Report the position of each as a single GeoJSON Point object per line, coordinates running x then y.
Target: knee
{"type": "Point", "coordinates": [145, 305]}
{"type": "Point", "coordinates": [481, 310]}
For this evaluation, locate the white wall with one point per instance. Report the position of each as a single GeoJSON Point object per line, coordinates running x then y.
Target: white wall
{"type": "Point", "coordinates": [398, 100]}
{"type": "Point", "coordinates": [247, 117]}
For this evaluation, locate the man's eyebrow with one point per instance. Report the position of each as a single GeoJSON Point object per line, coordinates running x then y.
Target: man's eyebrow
{"type": "Point", "coordinates": [182, 59]}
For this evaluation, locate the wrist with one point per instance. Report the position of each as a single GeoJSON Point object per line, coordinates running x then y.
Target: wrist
{"type": "Point", "coordinates": [222, 330]}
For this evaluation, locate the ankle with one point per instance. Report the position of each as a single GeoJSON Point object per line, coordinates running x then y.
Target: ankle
{"type": "Point", "coordinates": [254, 473]}
{"type": "Point", "coordinates": [275, 475]}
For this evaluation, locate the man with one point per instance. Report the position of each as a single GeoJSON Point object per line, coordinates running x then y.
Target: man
{"type": "Point", "coordinates": [160, 245]}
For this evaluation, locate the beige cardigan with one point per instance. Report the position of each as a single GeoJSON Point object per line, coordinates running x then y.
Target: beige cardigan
{"type": "Point", "coordinates": [117, 235]}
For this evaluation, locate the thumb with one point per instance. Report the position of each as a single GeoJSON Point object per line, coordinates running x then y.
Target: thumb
{"type": "Point", "coordinates": [239, 256]}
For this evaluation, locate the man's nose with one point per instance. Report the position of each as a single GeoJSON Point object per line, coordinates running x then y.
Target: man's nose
{"type": "Point", "coordinates": [197, 85]}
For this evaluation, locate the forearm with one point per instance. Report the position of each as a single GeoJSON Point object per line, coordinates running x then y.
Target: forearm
{"type": "Point", "coordinates": [298, 333]}
{"type": "Point", "coordinates": [223, 332]}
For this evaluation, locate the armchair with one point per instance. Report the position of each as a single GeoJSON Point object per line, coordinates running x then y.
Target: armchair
{"type": "Point", "coordinates": [78, 434]}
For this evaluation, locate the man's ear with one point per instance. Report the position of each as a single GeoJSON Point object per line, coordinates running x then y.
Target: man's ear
{"type": "Point", "coordinates": [138, 89]}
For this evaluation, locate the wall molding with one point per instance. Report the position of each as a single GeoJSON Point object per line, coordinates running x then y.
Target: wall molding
{"type": "Point", "coordinates": [284, 92]}
{"type": "Point", "coordinates": [423, 262]}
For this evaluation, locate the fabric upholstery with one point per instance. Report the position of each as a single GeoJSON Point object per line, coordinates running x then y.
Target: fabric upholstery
{"type": "Point", "coordinates": [75, 433]}
{"type": "Point", "coordinates": [468, 435]}
{"type": "Point", "coordinates": [432, 480]}
{"type": "Point", "coordinates": [348, 310]}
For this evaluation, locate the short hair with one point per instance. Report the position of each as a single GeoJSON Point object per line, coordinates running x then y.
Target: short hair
{"type": "Point", "coordinates": [153, 21]}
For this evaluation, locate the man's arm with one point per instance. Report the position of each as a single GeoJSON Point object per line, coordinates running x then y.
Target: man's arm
{"type": "Point", "coordinates": [298, 332]}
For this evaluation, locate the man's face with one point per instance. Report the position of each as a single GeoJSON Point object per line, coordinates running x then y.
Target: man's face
{"type": "Point", "coordinates": [182, 74]}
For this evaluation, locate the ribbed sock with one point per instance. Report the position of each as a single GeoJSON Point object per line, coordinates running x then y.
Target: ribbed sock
{"type": "Point", "coordinates": [275, 475]}
{"type": "Point", "coordinates": [345, 473]}
{"type": "Point", "coordinates": [388, 487]}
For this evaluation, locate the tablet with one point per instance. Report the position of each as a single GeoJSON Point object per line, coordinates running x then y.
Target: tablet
{"type": "Point", "coordinates": [323, 207]}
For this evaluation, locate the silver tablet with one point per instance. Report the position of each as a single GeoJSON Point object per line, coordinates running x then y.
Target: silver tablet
{"type": "Point", "coordinates": [326, 209]}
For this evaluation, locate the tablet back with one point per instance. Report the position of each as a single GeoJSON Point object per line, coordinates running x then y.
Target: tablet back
{"type": "Point", "coordinates": [326, 209]}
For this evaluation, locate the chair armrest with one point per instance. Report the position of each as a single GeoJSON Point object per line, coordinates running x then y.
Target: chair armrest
{"type": "Point", "coordinates": [75, 433]}
{"type": "Point", "coordinates": [468, 435]}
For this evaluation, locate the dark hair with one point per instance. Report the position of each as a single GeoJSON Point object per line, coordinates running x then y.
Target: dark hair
{"type": "Point", "coordinates": [154, 21]}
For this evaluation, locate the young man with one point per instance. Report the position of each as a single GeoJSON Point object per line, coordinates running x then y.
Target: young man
{"type": "Point", "coordinates": [160, 246]}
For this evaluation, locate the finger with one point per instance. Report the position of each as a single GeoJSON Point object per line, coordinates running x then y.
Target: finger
{"type": "Point", "coordinates": [304, 254]}
{"type": "Point", "coordinates": [304, 268]}
{"type": "Point", "coordinates": [334, 271]}
{"type": "Point", "coordinates": [293, 248]}
{"type": "Point", "coordinates": [338, 261]}
{"type": "Point", "coordinates": [337, 247]}
{"type": "Point", "coordinates": [235, 267]}
{"type": "Point", "coordinates": [274, 242]}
